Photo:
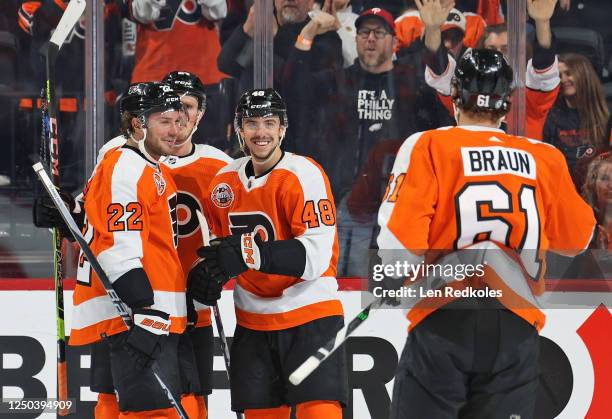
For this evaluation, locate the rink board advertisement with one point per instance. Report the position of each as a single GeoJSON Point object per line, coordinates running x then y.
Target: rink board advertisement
{"type": "Point", "coordinates": [576, 359]}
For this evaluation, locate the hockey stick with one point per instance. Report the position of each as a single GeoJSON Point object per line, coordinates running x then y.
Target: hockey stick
{"type": "Point", "coordinates": [217, 314]}
{"type": "Point", "coordinates": [325, 351]}
{"type": "Point", "coordinates": [119, 305]}
{"type": "Point", "coordinates": [70, 17]}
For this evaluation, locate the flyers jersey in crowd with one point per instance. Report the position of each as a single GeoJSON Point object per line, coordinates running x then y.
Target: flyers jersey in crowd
{"type": "Point", "coordinates": [409, 27]}
{"type": "Point", "coordinates": [292, 200]}
{"type": "Point", "coordinates": [192, 175]}
{"type": "Point", "coordinates": [456, 186]}
{"type": "Point", "coordinates": [159, 45]}
{"type": "Point", "coordinates": [130, 222]}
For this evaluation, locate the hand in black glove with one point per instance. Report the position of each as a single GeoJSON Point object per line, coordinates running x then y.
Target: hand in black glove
{"type": "Point", "coordinates": [45, 215]}
{"type": "Point", "coordinates": [205, 286]}
{"type": "Point", "coordinates": [144, 339]}
{"type": "Point", "coordinates": [233, 255]}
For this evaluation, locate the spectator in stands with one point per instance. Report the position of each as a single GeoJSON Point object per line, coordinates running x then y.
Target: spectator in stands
{"type": "Point", "coordinates": [460, 30]}
{"type": "Point", "coordinates": [597, 192]}
{"type": "Point", "coordinates": [542, 71]}
{"type": "Point", "coordinates": [236, 58]}
{"type": "Point", "coordinates": [578, 122]}
{"type": "Point", "coordinates": [357, 118]}
{"type": "Point", "coordinates": [177, 35]}
{"type": "Point", "coordinates": [346, 30]}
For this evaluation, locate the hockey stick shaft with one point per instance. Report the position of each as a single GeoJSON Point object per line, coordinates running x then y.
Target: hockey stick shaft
{"type": "Point", "coordinates": [325, 351]}
{"type": "Point", "coordinates": [70, 17]}
{"type": "Point", "coordinates": [95, 265]}
{"type": "Point", "coordinates": [215, 308]}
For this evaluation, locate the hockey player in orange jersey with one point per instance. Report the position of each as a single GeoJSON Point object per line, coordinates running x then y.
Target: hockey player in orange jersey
{"type": "Point", "coordinates": [274, 216]}
{"type": "Point", "coordinates": [131, 224]}
{"type": "Point", "coordinates": [192, 167]}
{"type": "Point", "coordinates": [510, 198]}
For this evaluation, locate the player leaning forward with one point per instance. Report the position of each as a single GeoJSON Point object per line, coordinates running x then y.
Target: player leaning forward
{"type": "Point", "coordinates": [130, 222]}
{"type": "Point", "coordinates": [474, 186]}
{"type": "Point", "coordinates": [274, 216]}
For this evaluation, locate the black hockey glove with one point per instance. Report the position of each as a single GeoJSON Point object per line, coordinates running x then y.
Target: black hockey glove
{"type": "Point", "coordinates": [205, 286]}
{"type": "Point", "coordinates": [45, 215]}
{"type": "Point", "coordinates": [232, 255]}
{"type": "Point", "coordinates": [145, 338]}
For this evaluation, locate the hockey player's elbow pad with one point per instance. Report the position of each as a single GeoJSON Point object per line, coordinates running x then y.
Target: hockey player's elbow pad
{"type": "Point", "coordinates": [134, 289]}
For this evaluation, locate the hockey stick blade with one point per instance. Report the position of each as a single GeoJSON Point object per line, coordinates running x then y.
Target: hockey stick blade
{"type": "Point", "coordinates": [324, 352]}
{"type": "Point", "coordinates": [215, 308]}
{"type": "Point", "coordinates": [95, 265]}
{"type": "Point", "coordinates": [71, 16]}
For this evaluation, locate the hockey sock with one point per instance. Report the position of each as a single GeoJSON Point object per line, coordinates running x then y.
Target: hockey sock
{"type": "Point", "coordinates": [168, 413]}
{"type": "Point", "coordinates": [282, 412]}
{"type": "Point", "coordinates": [318, 409]}
{"type": "Point", "coordinates": [190, 404]}
{"type": "Point", "coordinates": [202, 407]}
{"type": "Point", "coordinates": [106, 407]}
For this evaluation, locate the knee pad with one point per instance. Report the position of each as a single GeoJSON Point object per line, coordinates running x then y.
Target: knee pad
{"type": "Point", "coordinates": [319, 409]}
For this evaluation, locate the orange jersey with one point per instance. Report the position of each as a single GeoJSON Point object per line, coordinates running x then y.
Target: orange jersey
{"type": "Point", "coordinates": [542, 87]}
{"type": "Point", "coordinates": [453, 187]}
{"type": "Point", "coordinates": [293, 200]}
{"type": "Point", "coordinates": [180, 39]}
{"type": "Point", "coordinates": [409, 27]}
{"type": "Point", "coordinates": [192, 175]}
{"type": "Point", "coordinates": [130, 213]}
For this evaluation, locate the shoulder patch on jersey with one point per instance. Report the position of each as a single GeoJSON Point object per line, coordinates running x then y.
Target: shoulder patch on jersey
{"type": "Point", "coordinates": [222, 196]}
{"type": "Point", "coordinates": [160, 182]}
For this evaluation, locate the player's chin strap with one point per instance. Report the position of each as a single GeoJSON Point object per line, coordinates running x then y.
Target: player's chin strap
{"type": "Point", "coordinates": [141, 144]}
{"type": "Point", "coordinates": [195, 128]}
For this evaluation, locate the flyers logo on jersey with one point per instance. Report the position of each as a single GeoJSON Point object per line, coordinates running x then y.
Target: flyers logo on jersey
{"type": "Point", "coordinates": [160, 183]}
{"type": "Point", "coordinates": [222, 196]}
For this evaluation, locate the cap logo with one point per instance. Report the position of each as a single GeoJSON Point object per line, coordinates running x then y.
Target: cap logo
{"type": "Point", "coordinates": [222, 195]}
{"type": "Point", "coordinates": [454, 16]}
{"type": "Point", "coordinates": [376, 10]}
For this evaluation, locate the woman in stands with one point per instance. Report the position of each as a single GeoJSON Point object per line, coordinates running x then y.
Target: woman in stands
{"type": "Point", "coordinates": [597, 192]}
{"type": "Point", "coordinates": [578, 122]}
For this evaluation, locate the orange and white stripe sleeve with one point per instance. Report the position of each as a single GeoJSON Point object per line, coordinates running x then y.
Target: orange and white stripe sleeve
{"type": "Point", "coordinates": [310, 207]}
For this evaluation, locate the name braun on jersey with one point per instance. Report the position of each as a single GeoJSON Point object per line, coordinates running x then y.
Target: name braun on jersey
{"type": "Point", "coordinates": [484, 161]}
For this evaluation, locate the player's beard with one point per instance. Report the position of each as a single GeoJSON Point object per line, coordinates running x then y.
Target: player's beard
{"type": "Point", "coordinates": [259, 158]}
